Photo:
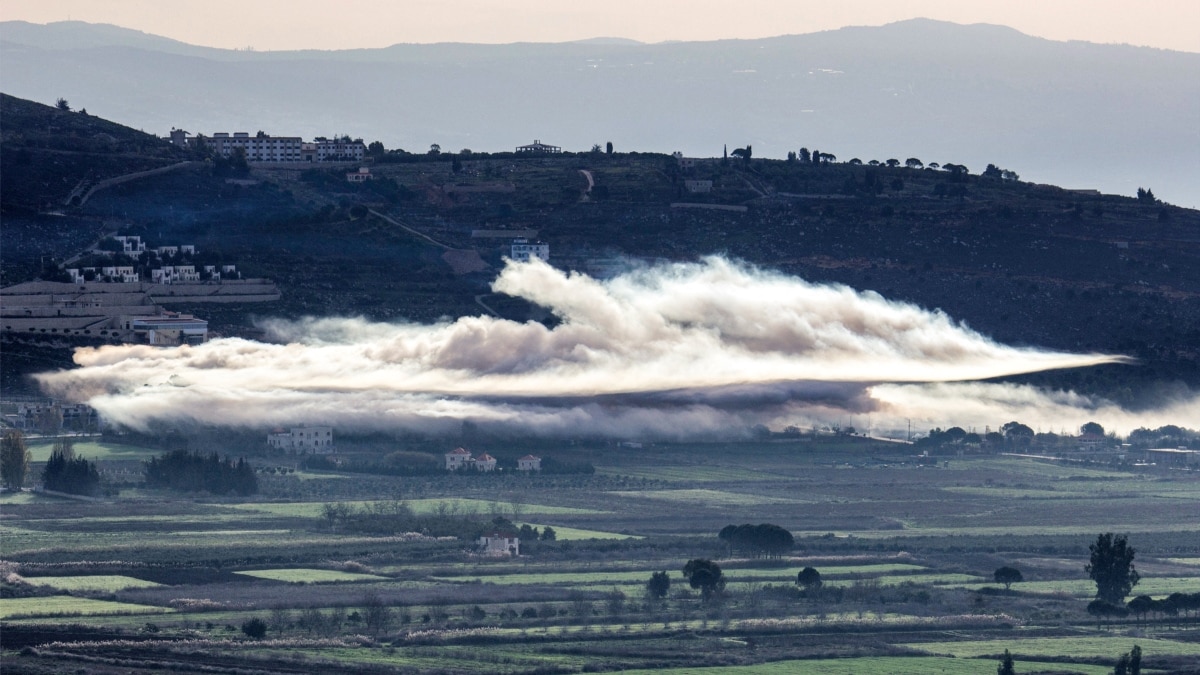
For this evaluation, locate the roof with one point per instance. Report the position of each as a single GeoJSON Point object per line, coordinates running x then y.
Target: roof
{"type": "Point", "coordinates": [530, 457]}
{"type": "Point", "coordinates": [485, 458]}
{"type": "Point", "coordinates": [497, 534]}
{"type": "Point", "coordinates": [459, 451]}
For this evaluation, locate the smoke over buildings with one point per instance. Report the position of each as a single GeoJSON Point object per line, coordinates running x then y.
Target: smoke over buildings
{"type": "Point", "coordinates": [671, 351]}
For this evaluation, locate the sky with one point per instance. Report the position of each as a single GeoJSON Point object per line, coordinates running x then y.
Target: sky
{"type": "Point", "coordinates": [319, 24]}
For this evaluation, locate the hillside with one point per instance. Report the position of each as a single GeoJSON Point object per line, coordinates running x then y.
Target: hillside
{"type": "Point", "coordinates": [1024, 263]}
{"type": "Point", "coordinates": [1068, 113]}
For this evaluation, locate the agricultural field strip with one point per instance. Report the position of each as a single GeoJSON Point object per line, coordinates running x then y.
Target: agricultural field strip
{"type": "Point", "coordinates": [563, 533]}
{"type": "Point", "coordinates": [422, 506]}
{"type": "Point", "coordinates": [1107, 647]}
{"type": "Point", "coordinates": [1152, 492]}
{"type": "Point", "coordinates": [40, 451]}
{"type": "Point", "coordinates": [66, 605]}
{"type": "Point", "coordinates": [1184, 561]}
{"type": "Point", "coordinates": [710, 497]}
{"type": "Point", "coordinates": [109, 583]}
{"type": "Point", "coordinates": [867, 665]}
{"type": "Point", "coordinates": [643, 575]}
{"type": "Point", "coordinates": [693, 474]}
{"type": "Point", "coordinates": [1013, 530]}
{"type": "Point", "coordinates": [105, 545]}
{"type": "Point", "coordinates": [1086, 588]}
{"type": "Point", "coordinates": [310, 576]}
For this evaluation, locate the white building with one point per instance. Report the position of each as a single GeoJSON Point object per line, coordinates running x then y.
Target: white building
{"type": "Point", "coordinates": [529, 463]}
{"type": "Point", "coordinates": [302, 439]}
{"type": "Point", "coordinates": [361, 176]}
{"type": "Point", "coordinates": [457, 458]}
{"type": "Point", "coordinates": [500, 543]}
{"type": "Point", "coordinates": [258, 148]}
{"type": "Point", "coordinates": [698, 186]}
{"type": "Point", "coordinates": [340, 150]}
{"type": "Point", "coordinates": [131, 245]}
{"type": "Point", "coordinates": [168, 330]}
{"type": "Point", "coordinates": [523, 251]}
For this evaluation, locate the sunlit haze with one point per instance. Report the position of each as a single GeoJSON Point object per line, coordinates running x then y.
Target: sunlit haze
{"type": "Point", "coordinates": [350, 24]}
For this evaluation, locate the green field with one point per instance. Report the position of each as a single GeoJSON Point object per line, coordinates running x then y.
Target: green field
{"type": "Point", "coordinates": [1107, 647]}
{"type": "Point", "coordinates": [709, 497]}
{"type": "Point", "coordinates": [65, 605]}
{"type": "Point", "coordinates": [1086, 588]}
{"type": "Point", "coordinates": [448, 505]}
{"type": "Point", "coordinates": [109, 583]}
{"type": "Point", "coordinates": [310, 576]}
{"type": "Point", "coordinates": [94, 450]}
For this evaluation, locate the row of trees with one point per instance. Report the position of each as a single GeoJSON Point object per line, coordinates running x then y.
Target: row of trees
{"type": "Point", "coordinates": [196, 472]}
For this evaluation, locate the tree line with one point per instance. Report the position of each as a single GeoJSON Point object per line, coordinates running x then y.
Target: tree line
{"type": "Point", "coordinates": [185, 471]}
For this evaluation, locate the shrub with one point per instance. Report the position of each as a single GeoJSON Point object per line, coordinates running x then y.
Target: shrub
{"type": "Point", "coordinates": [254, 628]}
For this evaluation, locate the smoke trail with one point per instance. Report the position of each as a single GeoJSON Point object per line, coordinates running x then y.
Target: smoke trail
{"type": "Point", "coordinates": [674, 350]}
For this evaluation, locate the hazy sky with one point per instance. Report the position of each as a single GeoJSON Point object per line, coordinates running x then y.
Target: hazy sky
{"type": "Point", "coordinates": [321, 24]}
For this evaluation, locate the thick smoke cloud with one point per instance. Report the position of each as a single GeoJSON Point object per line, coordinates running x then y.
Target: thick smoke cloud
{"type": "Point", "coordinates": [677, 350]}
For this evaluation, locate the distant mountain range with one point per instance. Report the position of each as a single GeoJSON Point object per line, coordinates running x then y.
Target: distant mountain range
{"type": "Point", "coordinates": [1083, 115]}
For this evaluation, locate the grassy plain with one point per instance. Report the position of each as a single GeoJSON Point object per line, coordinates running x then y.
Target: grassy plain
{"type": "Point", "coordinates": [906, 553]}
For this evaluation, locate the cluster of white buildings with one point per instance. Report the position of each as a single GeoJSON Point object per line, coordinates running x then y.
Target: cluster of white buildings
{"type": "Point", "coordinates": [302, 439]}
{"type": "Point", "coordinates": [133, 246]}
{"type": "Point", "coordinates": [462, 459]}
{"type": "Point", "coordinates": [262, 147]}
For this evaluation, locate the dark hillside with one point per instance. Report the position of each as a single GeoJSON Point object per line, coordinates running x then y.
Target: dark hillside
{"type": "Point", "coordinates": [1024, 263]}
{"type": "Point", "coordinates": [46, 152]}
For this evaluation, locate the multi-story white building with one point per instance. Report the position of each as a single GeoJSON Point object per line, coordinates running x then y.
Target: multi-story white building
{"type": "Point", "coordinates": [340, 150]}
{"type": "Point", "coordinates": [524, 251]}
{"type": "Point", "coordinates": [302, 439]}
{"type": "Point", "coordinates": [258, 148]}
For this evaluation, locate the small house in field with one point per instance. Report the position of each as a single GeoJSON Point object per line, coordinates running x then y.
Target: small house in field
{"type": "Point", "coordinates": [498, 543]}
{"type": "Point", "coordinates": [1092, 441]}
{"type": "Point", "coordinates": [529, 463]}
{"type": "Point", "coordinates": [458, 458]}
{"type": "Point", "coordinates": [485, 462]}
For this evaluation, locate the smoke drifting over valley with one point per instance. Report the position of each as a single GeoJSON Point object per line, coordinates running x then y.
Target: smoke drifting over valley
{"type": "Point", "coordinates": [670, 351]}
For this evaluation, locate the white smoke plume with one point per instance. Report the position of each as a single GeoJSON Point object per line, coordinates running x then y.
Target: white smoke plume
{"type": "Point", "coordinates": [676, 350]}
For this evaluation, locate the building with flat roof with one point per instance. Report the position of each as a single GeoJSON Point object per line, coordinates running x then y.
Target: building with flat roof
{"type": "Point", "coordinates": [539, 148]}
{"type": "Point", "coordinates": [523, 250]}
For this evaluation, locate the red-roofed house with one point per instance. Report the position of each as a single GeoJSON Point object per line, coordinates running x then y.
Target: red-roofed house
{"type": "Point", "coordinates": [500, 543]}
{"type": "Point", "coordinates": [457, 458]}
{"type": "Point", "coordinates": [529, 463]}
{"type": "Point", "coordinates": [485, 462]}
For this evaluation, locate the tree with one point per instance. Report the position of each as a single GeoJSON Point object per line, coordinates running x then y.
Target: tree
{"type": "Point", "coordinates": [1007, 576]}
{"type": "Point", "coordinates": [1006, 665]}
{"type": "Point", "coordinates": [658, 585]}
{"type": "Point", "coordinates": [1111, 567]}
{"type": "Point", "coordinates": [62, 105]}
{"type": "Point", "coordinates": [1092, 428]}
{"type": "Point", "coordinates": [435, 149]}
{"type": "Point", "coordinates": [704, 575]}
{"type": "Point", "coordinates": [75, 476]}
{"type": "Point", "coordinates": [913, 163]}
{"type": "Point", "coordinates": [14, 459]}
{"type": "Point", "coordinates": [608, 149]}
{"type": "Point", "coordinates": [376, 615]}
{"type": "Point", "coordinates": [893, 162]}
{"type": "Point", "coordinates": [376, 150]}
{"type": "Point", "coordinates": [809, 578]}
{"type": "Point", "coordinates": [1146, 196]}
{"type": "Point", "coordinates": [805, 156]}
{"type": "Point", "coordinates": [254, 628]}
{"type": "Point", "coordinates": [1135, 660]}
{"type": "Point", "coordinates": [548, 534]}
